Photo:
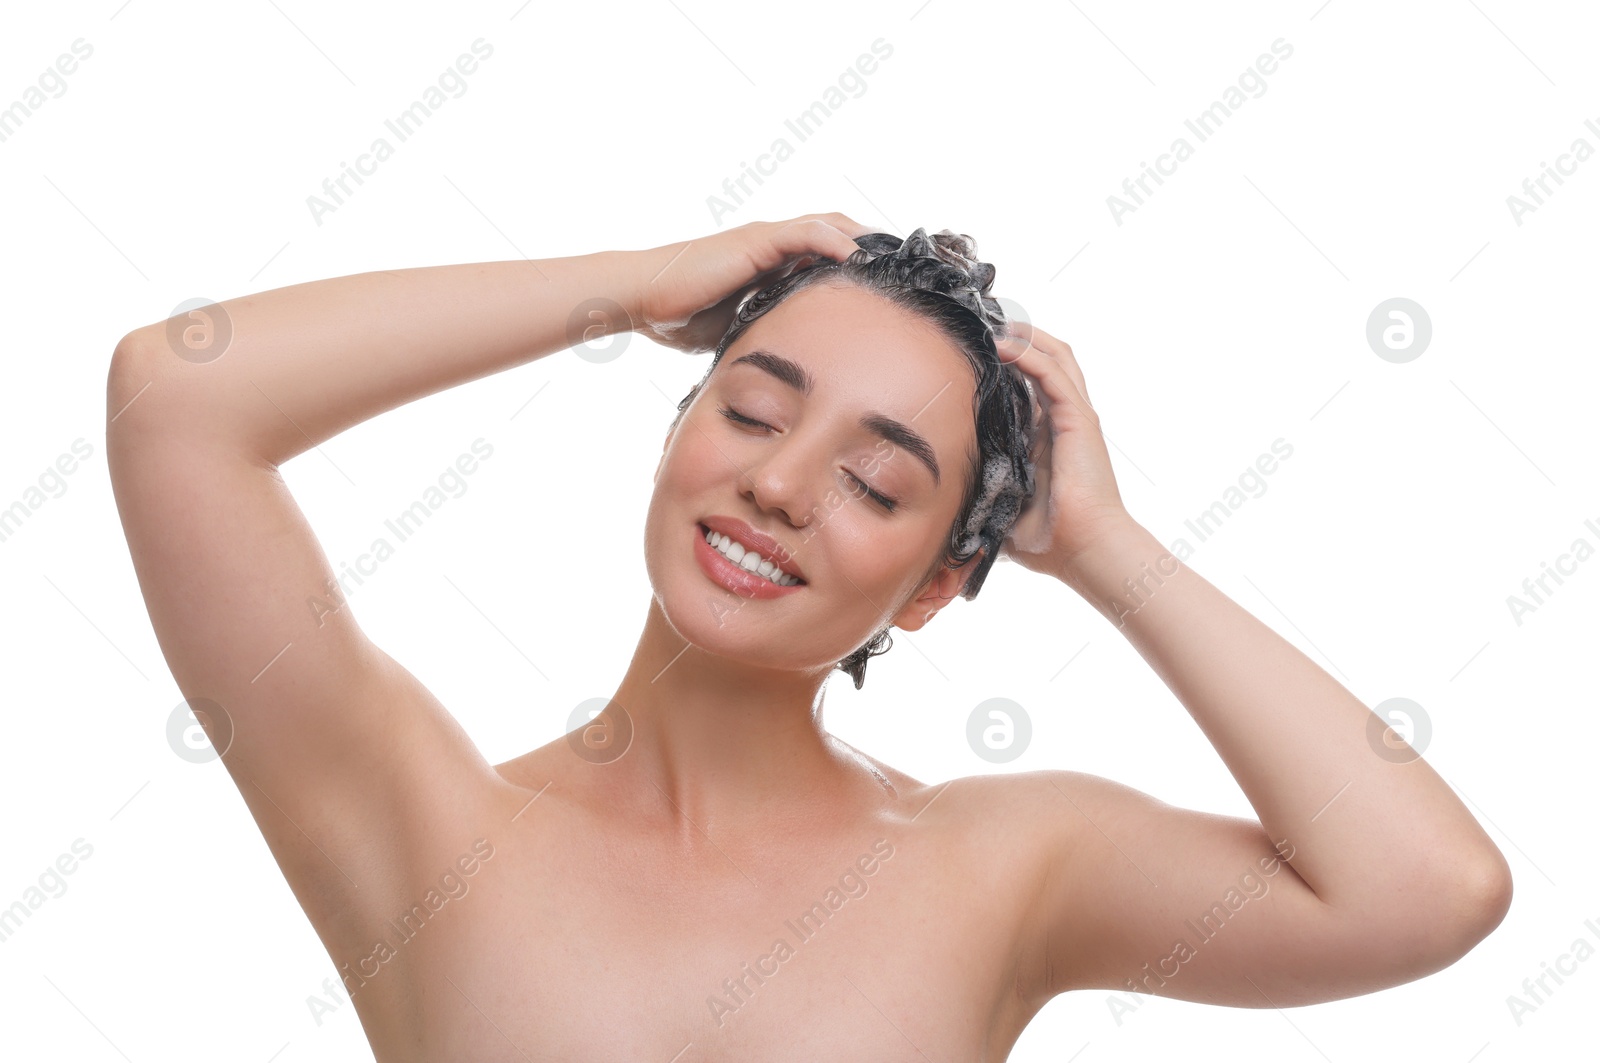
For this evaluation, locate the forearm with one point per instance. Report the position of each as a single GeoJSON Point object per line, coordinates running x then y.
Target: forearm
{"type": "Point", "coordinates": [308, 361]}
{"type": "Point", "coordinates": [1367, 831]}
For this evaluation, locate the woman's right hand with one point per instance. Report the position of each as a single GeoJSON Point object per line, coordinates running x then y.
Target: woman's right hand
{"type": "Point", "coordinates": [688, 291]}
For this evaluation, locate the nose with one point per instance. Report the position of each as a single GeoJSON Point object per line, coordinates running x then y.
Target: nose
{"type": "Point", "coordinates": [784, 478]}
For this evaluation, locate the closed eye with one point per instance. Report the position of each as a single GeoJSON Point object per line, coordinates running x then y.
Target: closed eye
{"type": "Point", "coordinates": [734, 415]}
{"type": "Point", "coordinates": [883, 500]}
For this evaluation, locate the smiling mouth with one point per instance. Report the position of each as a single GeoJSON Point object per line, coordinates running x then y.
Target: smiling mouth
{"type": "Point", "coordinates": [797, 583]}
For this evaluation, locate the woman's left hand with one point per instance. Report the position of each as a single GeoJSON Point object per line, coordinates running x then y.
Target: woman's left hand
{"type": "Point", "coordinates": [1075, 504]}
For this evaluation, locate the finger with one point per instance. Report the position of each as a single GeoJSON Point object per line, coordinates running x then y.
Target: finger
{"type": "Point", "coordinates": [1051, 374]}
{"type": "Point", "coordinates": [1060, 350]}
{"type": "Point", "coordinates": [845, 224]}
{"type": "Point", "coordinates": [811, 235]}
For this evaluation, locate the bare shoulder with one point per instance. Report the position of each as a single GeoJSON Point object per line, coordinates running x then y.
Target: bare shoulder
{"type": "Point", "coordinates": [1028, 807]}
{"type": "Point", "coordinates": [1019, 825]}
{"type": "Point", "coordinates": [1045, 823]}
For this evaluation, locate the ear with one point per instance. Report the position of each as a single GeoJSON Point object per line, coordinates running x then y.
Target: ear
{"type": "Point", "coordinates": [939, 592]}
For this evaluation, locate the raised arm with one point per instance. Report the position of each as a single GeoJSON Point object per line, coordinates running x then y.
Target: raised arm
{"type": "Point", "coordinates": [1365, 870]}
{"type": "Point", "coordinates": [348, 764]}
{"type": "Point", "coordinates": [308, 361]}
{"type": "Point", "coordinates": [337, 750]}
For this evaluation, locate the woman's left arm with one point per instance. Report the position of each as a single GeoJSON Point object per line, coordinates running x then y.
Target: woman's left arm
{"type": "Point", "coordinates": [1369, 820]}
{"type": "Point", "coordinates": [1389, 852]}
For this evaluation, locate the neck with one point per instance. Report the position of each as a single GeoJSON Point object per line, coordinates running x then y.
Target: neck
{"type": "Point", "coordinates": [719, 742]}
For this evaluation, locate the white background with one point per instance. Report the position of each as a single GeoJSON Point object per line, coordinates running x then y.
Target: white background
{"type": "Point", "coordinates": [1227, 311]}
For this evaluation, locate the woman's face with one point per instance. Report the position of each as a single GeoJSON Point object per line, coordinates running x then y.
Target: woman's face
{"type": "Point", "coordinates": [855, 400]}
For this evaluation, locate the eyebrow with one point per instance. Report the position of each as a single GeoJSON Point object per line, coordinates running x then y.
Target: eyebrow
{"type": "Point", "coordinates": [795, 376]}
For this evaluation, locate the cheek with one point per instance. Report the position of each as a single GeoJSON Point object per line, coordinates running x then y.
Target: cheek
{"type": "Point", "coordinates": [692, 461]}
{"type": "Point", "coordinates": [872, 551]}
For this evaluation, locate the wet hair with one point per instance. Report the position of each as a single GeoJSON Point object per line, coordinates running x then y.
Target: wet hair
{"type": "Point", "coordinates": [937, 278]}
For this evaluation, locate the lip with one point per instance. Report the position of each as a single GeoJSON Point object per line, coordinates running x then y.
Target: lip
{"type": "Point", "coordinates": [735, 578]}
{"type": "Point", "coordinates": [750, 539]}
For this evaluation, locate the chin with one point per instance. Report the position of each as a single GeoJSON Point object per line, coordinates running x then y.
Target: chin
{"type": "Point", "coordinates": [713, 619]}
{"type": "Point", "coordinates": [706, 600]}
{"type": "Point", "coordinates": [720, 624]}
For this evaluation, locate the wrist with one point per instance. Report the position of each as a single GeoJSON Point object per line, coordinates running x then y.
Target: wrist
{"type": "Point", "coordinates": [620, 279]}
{"type": "Point", "coordinates": [637, 272]}
{"type": "Point", "coordinates": [1120, 571]}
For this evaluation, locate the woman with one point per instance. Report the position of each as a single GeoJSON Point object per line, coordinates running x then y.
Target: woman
{"type": "Point", "coordinates": [703, 873]}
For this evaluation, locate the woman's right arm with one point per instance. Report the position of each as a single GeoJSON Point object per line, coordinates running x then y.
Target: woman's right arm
{"type": "Point", "coordinates": [299, 365]}
{"type": "Point", "coordinates": [355, 774]}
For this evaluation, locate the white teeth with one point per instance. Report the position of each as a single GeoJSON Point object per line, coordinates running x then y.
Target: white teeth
{"type": "Point", "coordinates": [749, 560]}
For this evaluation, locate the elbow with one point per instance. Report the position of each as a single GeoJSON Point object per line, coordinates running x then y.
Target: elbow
{"type": "Point", "coordinates": [1486, 897]}
{"type": "Point", "coordinates": [135, 362]}
{"type": "Point", "coordinates": [135, 350]}
{"type": "Point", "coordinates": [1446, 914]}
{"type": "Point", "coordinates": [1468, 908]}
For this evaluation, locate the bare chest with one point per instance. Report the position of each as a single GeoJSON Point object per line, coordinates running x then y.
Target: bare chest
{"type": "Point", "coordinates": [876, 947]}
